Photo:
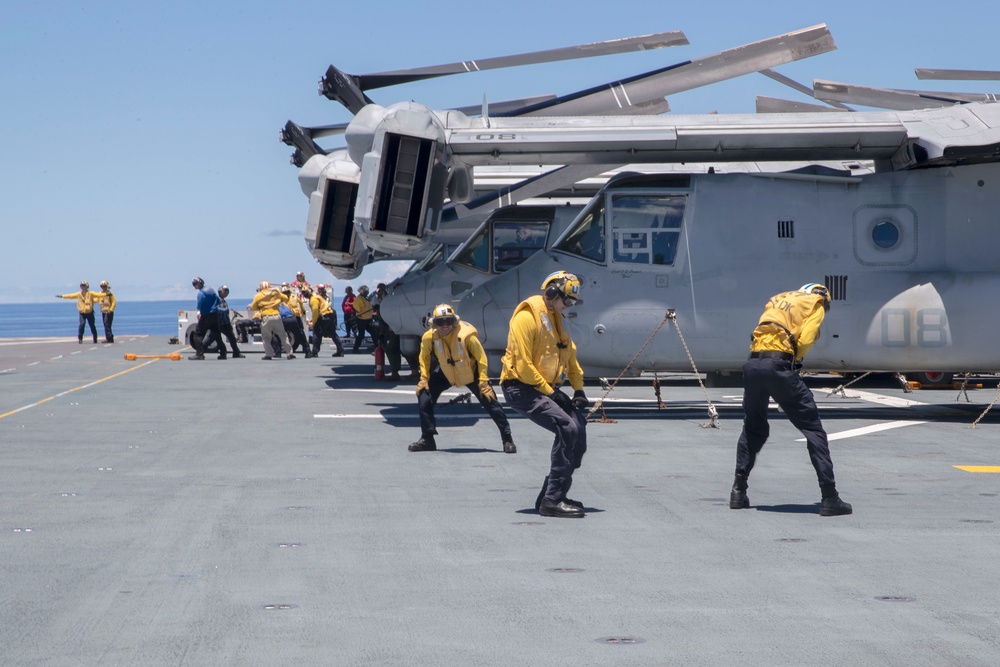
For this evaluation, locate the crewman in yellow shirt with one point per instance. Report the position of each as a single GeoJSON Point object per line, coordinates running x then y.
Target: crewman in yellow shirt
{"type": "Point", "coordinates": [452, 356]}
{"type": "Point", "coordinates": [266, 302]}
{"type": "Point", "coordinates": [108, 305]}
{"type": "Point", "coordinates": [539, 353]}
{"type": "Point", "coordinates": [85, 307]}
{"type": "Point", "coordinates": [784, 335]}
{"type": "Point", "coordinates": [363, 314]}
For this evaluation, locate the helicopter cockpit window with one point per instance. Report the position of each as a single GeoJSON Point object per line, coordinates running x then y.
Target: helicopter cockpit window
{"type": "Point", "coordinates": [476, 251]}
{"type": "Point", "coordinates": [514, 242]}
{"type": "Point", "coordinates": [646, 228]}
{"type": "Point", "coordinates": [587, 237]}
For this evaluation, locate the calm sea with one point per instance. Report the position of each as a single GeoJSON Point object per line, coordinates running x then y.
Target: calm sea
{"type": "Point", "coordinates": [154, 318]}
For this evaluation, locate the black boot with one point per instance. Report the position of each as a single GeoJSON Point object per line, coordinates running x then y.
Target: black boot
{"type": "Point", "coordinates": [508, 445]}
{"type": "Point", "coordinates": [541, 494]}
{"type": "Point", "coordinates": [424, 444]}
{"type": "Point", "coordinates": [832, 505]}
{"type": "Point", "coordinates": [738, 497]}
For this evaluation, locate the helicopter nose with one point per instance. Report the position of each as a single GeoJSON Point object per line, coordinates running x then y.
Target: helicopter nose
{"type": "Point", "coordinates": [401, 316]}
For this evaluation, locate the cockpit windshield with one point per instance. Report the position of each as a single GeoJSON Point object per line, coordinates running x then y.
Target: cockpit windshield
{"type": "Point", "coordinates": [587, 237]}
{"type": "Point", "coordinates": [644, 228]}
{"type": "Point", "coordinates": [502, 245]}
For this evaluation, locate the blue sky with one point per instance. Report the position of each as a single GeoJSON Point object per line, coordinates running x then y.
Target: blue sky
{"type": "Point", "coordinates": [140, 140]}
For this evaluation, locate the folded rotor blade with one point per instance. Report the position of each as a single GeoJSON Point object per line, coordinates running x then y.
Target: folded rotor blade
{"type": "Point", "coordinates": [775, 105]}
{"type": "Point", "coordinates": [957, 74]}
{"type": "Point", "coordinates": [640, 43]}
{"type": "Point", "coordinates": [505, 106]}
{"type": "Point", "coordinates": [301, 139]}
{"type": "Point", "coordinates": [537, 186]}
{"type": "Point", "coordinates": [891, 98]}
{"type": "Point", "coordinates": [619, 95]}
{"type": "Point", "coordinates": [805, 90]}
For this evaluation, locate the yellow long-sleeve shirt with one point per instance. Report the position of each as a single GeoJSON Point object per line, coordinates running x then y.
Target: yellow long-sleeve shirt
{"type": "Point", "coordinates": [84, 300]}
{"type": "Point", "coordinates": [108, 301]}
{"type": "Point", "coordinates": [539, 348]}
{"type": "Point", "coordinates": [798, 313]}
{"type": "Point", "coordinates": [462, 348]}
{"type": "Point", "coordinates": [266, 303]}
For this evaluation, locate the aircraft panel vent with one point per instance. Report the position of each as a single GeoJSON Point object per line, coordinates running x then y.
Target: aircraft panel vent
{"type": "Point", "coordinates": [837, 286]}
{"type": "Point", "coordinates": [336, 227]}
{"type": "Point", "coordinates": [405, 177]}
{"type": "Point", "coordinates": [786, 229]}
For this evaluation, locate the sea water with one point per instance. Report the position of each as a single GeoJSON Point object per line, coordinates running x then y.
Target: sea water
{"type": "Point", "coordinates": [152, 318]}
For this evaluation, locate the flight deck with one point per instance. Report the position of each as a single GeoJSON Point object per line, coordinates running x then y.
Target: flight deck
{"type": "Point", "coordinates": [243, 512]}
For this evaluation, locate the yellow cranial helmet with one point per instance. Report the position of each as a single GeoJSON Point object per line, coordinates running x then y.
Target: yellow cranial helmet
{"type": "Point", "coordinates": [263, 286]}
{"type": "Point", "coordinates": [819, 290]}
{"type": "Point", "coordinates": [104, 283]}
{"type": "Point", "coordinates": [444, 316]}
{"type": "Point", "coordinates": [564, 285]}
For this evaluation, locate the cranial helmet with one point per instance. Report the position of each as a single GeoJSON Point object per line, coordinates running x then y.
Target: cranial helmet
{"type": "Point", "coordinates": [321, 287]}
{"type": "Point", "coordinates": [84, 283]}
{"type": "Point", "coordinates": [223, 289]}
{"type": "Point", "coordinates": [263, 286]}
{"type": "Point", "coordinates": [197, 282]}
{"type": "Point", "coordinates": [104, 283]}
{"type": "Point", "coordinates": [444, 316]}
{"type": "Point", "coordinates": [819, 290]}
{"type": "Point", "coordinates": [564, 285]}
{"type": "Point", "coordinates": [363, 290]}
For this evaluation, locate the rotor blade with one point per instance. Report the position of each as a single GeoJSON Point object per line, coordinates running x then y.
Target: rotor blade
{"type": "Point", "coordinates": [775, 105]}
{"type": "Point", "coordinates": [795, 85]}
{"type": "Point", "coordinates": [505, 106]}
{"type": "Point", "coordinates": [300, 138]}
{"type": "Point", "coordinates": [641, 43]}
{"type": "Point", "coordinates": [890, 98]}
{"type": "Point", "coordinates": [745, 59]}
{"type": "Point", "coordinates": [342, 87]}
{"type": "Point", "coordinates": [536, 186]}
{"type": "Point", "coordinates": [957, 74]}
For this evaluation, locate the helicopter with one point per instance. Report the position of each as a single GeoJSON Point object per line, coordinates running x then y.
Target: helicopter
{"type": "Point", "coordinates": [902, 236]}
{"type": "Point", "coordinates": [346, 229]}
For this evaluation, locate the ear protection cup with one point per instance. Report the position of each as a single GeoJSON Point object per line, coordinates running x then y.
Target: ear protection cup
{"type": "Point", "coordinates": [553, 292]}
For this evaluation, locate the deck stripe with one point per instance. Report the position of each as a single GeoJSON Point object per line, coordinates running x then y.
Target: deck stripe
{"type": "Point", "coordinates": [70, 391]}
{"type": "Point", "coordinates": [979, 468]}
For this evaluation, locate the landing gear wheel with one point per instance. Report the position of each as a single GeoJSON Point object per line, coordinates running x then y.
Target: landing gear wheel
{"type": "Point", "coordinates": [933, 378]}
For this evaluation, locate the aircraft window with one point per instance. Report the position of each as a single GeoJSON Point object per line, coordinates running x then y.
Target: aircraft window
{"type": "Point", "coordinates": [476, 253]}
{"type": "Point", "coordinates": [514, 242]}
{"type": "Point", "coordinates": [646, 228]}
{"type": "Point", "coordinates": [885, 234]}
{"type": "Point", "coordinates": [587, 237]}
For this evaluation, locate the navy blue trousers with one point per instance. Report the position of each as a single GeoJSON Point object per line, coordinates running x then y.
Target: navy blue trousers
{"type": "Point", "coordinates": [775, 378]}
{"type": "Point", "coordinates": [570, 443]}
{"type": "Point", "coordinates": [438, 383]}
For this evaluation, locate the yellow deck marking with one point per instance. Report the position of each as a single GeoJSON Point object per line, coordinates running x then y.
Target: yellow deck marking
{"type": "Point", "coordinates": [83, 386]}
{"type": "Point", "coordinates": [979, 468]}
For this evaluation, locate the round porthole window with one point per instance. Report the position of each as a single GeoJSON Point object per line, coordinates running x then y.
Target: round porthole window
{"type": "Point", "coordinates": [885, 234]}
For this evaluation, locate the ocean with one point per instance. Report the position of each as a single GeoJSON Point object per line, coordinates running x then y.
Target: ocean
{"type": "Point", "coordinates": [40, 320]}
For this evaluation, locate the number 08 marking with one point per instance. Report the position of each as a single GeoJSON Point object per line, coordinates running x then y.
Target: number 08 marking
{"type": "Point", "coordinates": [930, 325]}
{"type": "Point", "coordinates": [505, 136]}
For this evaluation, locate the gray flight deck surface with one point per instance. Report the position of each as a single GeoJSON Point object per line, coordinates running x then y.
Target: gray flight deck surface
{"type": "Point", "coordinates": [158, 512]}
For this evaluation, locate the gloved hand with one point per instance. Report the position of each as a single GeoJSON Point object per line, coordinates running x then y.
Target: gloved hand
{"type": "Point", "coordinates": [58, 296]}
{"type": "Point", "coordinates": [562, 400]}
{"type": "Point", "coordinates": [580, 399]}
{"type": "Point", "coordinates": [422, 386]}
{"type": "Point", "coordinates": [486, 391]}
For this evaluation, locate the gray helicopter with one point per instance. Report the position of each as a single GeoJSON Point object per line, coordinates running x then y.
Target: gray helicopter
{"type": "Point", "coordinates": [423, 203]}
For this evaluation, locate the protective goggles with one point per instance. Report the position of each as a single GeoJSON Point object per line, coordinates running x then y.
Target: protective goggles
{"type": "Point", "coordinates": [570, 301]}
{"type": "Point", "coordinates": [448, 321]}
